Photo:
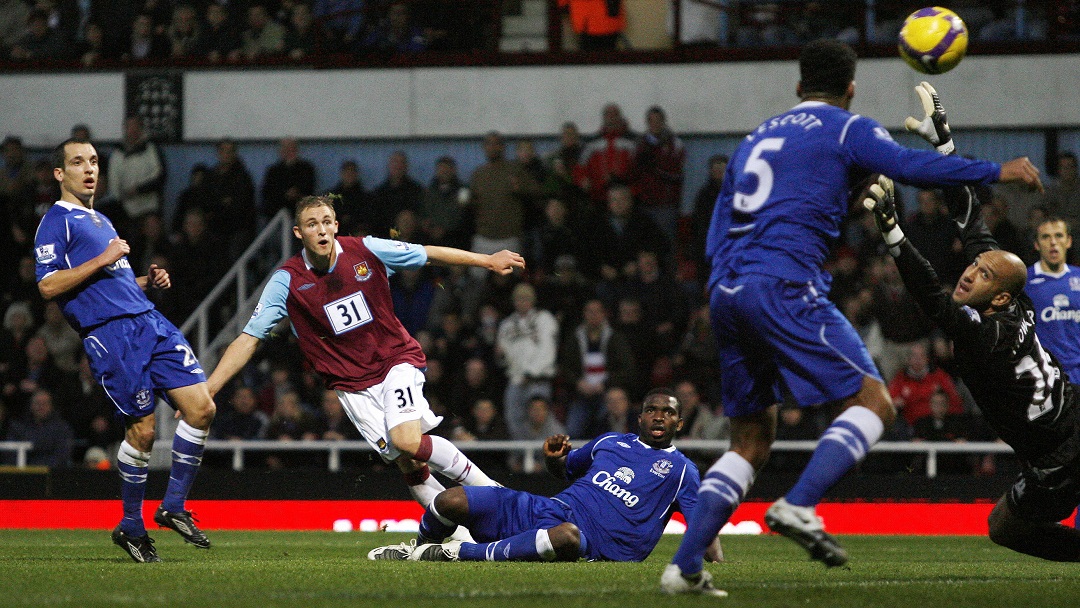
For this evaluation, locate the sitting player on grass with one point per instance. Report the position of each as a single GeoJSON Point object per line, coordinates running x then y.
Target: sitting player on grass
{"type": "Point", "coordinates": [625, 489]}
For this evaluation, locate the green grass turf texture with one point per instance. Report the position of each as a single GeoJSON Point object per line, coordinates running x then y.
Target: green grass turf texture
{"type": "Point", "coordinates": [311, 569]}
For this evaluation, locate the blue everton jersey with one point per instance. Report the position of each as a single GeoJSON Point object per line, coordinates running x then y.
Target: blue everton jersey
{"type": "Point", "coordinates": [625, 492]}
{"type": "Point", "coordinates": [788, 184]}
{"type": "Point", "coordinates": [70, 235]}
{"type": "Point", "coordinates": [1057, 314]}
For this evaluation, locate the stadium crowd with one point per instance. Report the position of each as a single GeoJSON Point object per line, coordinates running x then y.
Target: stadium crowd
{"type": "Point", "coordinates": [97, 33]}
{"type": "Point", "coordinates": [610, 306]}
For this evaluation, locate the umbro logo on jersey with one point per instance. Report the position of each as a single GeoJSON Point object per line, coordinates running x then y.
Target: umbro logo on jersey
{"type": "Point", "coordinates": [79, 217]}
{"type": "Point", "coordinates": [1037, 280]}
{"type": "Point", "coordinates": [305, 287]}
{"type": "Point", "coordinates": [622, 445]}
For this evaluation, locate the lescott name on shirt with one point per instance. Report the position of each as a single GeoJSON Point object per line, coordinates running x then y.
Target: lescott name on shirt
{"type": "Point", "coordinates": [804, 119]}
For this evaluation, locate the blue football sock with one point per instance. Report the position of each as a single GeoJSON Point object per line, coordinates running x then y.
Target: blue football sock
{"type": "Point", "coordinates": [133, 466]}
{"type": "Point", "coordinates": [434, 528]}
{"type": "Point", "coordinates": [532, 545]}
{"type": "Point", "coordinates": [722, 490]}
{"type": "Point", "coordinates": [187, 451]}
{"type": "Point", "coordinates": [841, 447]}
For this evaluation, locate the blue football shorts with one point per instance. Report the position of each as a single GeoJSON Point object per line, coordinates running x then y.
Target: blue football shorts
{"type": "Point", "coordinates": [497, 513]}
{"type": "Point", "coordinates": [134, 358]}
{"type": "Point", "coordinates": [770, 330]}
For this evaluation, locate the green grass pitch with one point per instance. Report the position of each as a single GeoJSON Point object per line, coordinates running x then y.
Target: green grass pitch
{"type": "Point", "coordinates": [310, 569]}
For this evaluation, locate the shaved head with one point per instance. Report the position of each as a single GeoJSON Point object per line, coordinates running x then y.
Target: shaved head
{"type": "Point", "coordinates": [1013, 272]}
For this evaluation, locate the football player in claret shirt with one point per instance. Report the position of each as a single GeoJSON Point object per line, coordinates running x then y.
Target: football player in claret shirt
{"type": "Point", "coordinates": [625, 488]}
{"type": "Point", "coordinates": [135, 353]}
{"type": "Point", "coordinates": [785, 194]}
{"type": "Point", "coordinates": [337, 295]}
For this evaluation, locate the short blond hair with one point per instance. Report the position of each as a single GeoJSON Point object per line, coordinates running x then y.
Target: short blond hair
{"type": "Point", "coordinates": [311, 201]}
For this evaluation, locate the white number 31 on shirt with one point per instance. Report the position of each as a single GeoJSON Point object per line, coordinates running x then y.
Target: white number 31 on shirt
{"type": "Point", "coordinates": [348, 313]}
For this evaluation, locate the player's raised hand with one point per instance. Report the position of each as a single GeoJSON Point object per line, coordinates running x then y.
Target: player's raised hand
{"type": "Point", "coordinates": [158, 278]}
{"type": "Point", "coordinates": [881, 201]}
{"type": "Point", "coordinates": [1020, 170]}
{"type": "Point", "coordinates": [505, 261]}
{"type": "Point", "coordinates": [934, 128]}
{"type": "Point", "coordinates": [557, 446]}
{"type": "Point", "coordinates": [116, 249]}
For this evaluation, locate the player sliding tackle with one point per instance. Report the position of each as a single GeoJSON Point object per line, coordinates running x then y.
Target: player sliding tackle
{"type": "Point", "coordinates": [1018, 385]}
{"type": "Point", "coordinates": [625, 490]}
{"type": "Point", "coordinates": [336, 293]}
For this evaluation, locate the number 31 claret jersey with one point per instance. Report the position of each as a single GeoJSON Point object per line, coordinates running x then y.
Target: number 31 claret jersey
{"type": "Point", "coordinates": [344, 318]}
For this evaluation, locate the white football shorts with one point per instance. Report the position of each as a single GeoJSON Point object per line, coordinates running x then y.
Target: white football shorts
{"type": "Point", "coordinates": [377, 409]}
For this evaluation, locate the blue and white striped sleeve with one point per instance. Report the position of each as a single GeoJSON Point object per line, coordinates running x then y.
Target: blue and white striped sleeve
{"type": "Point", "coordinates": [397, 255]}
{"type": "Point", "coordinates": [271, 306]}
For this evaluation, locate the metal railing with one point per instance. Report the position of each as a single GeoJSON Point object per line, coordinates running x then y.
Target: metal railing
{"type": "Point", "coordinates": [276, 241]}
{"type": "Point", "coordinates": [21, 449]}
{"type": "Point", "coordinates": [528, 449]}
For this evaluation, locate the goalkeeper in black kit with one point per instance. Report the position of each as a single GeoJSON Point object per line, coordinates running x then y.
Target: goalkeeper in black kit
{"type": "Point", "coordinates": [1021, 389]}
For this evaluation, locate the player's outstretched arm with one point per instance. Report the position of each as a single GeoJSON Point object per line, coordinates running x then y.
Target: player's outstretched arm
{"type": "Point", "coordinates": [65, 280]}
{"type": "Point", "coordinates": [503, 262]}
{"type": "Point", "coordinates": [235, 358]}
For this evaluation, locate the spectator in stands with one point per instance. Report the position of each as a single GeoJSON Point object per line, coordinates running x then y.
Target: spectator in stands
{"type": "Point", "coordinates": [630, 323]}
{"type": "Point", "coordinates": [39, 42]}
{"type": "Point", "coordinates": [592, 358]}
{"type": "Point", "coordinates": [184, 31]}
{"type": "Point", "coordinates": [475, 382]}
{"type": "Point", "coordinates": [501, 193]}
{"type": "Point", "coordinates": [263, 36]}
{"type": "Point", "coordinates": [32, 371]}
{"type": "Point", "coordinates": [412, 291]}
{"type": "Point", "coordinates": [13, 18]}
{"type": "Point", "coordinates": [761, 24]}
{"type": "Point", "coordinates": [354, 212]}
{"type": "Point", "coordinates": [564, 291]}
{"type": "Point", "coordinates": [552, 239]}
{"type": "Point", "coordinates": [441, 213]}
{"type": "Point", "coordinates": [566, 174]}
{"type": "Point", "coordinates": [940, 424]}
{"type": "Point", "coordinates": [913, 386]}
{"type": "Point", "coordinates": [663, 304]}
{"type": "Point", "coordinates": [136, 176]}
{"type": "Point", "coordinates": [16, 181]}
{"type": "Point", "coordinates": [198, 194]}
{"type": "Point", "coordinates": [396, 33]}
{"type": "Point", "coordinates": [937, 235]}
{"type": "Point", "coordinates": [288, 180]}
{"type": "Point", "coordinates": [220, 41]}
{"type": "Point", "coordinates": [700, 421]}
{"type": "Point", "coordinates": [696, 357]}
{"type": "Point", "coordinates": [61, 341]}
{"type": "Point", "coordinates": [342, 21]}
{"type": "Point", "coordinates": [91, 412]}
{"type": "Point", "coordinates": [301, 38]}
{"type": "Point", "coordinates": [44, 189]}
{"type": "Point", "coordinates": [333, 423]}
{"type": "Point", "coordinates": [610, 157]}
{"type": "Point", "coordinates": [527, 343]}
{"type": "Point", "coordinates": [901, 320]}
{"type": "Point", "coordinates": [51, 435]}
{"type": "Point", "coordinates": [17, 331]}
{"type": "Point", "coordinates": [622, 233]}
{"type": "Point", "coordinates": [197, 263]}
{"type": "Point", "coordinates": [1063, 194]}
{"type": "Point", "coordinates": [618, 417]}
{"type": "Point", "coordinates": [243, 420]}
{"type": "Point", "coordinates": [704, 201]}
{"type": "Point", "coordinates": [144, 43]}
{"type": "Point", "coordinates": [399, 191]}
{"type": "Point", "coordinates": [794, 424]}
{"type": "Point", "coordinates": [291, 422]}
{"type": "Point", "coordinates": [541, 424]}
{"type": "Point", "coordinates": [483, 424]}
{"type": "Point", "coordinates": [97, 48]}
{"type": "Point", "coordinates": [996, 216]}
{"type": "Point", "coordinates": [659, 160]}
{"type": "Point", "coordinates": [599, 24]}
{"type": "Point", "coordinates": [22, 288]}
{"type": "Point", "coordinates": [232, 219]}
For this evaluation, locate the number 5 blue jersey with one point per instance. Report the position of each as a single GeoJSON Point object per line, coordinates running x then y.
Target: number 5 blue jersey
{"type": "Point", "coordinates": [787, 188]}
{"type": "Point", "coordinates": [625, 492]}
{"type": "Point", "coordinates": [70, 235]}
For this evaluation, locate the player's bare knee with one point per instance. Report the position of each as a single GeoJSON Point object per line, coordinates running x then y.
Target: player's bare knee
{"type": "Point", "coordinates": [405, 441]}
{"type": "Point", "coordinates": [453, 504]}
{"type": "Point", "coordinates": [202, 414]}
{"type": "Point", "coordinates": [141, 438]}
{"type": "Point", "coordinates": [875, 397]}
{"type": "Point", "coordinates": [566, 541]}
